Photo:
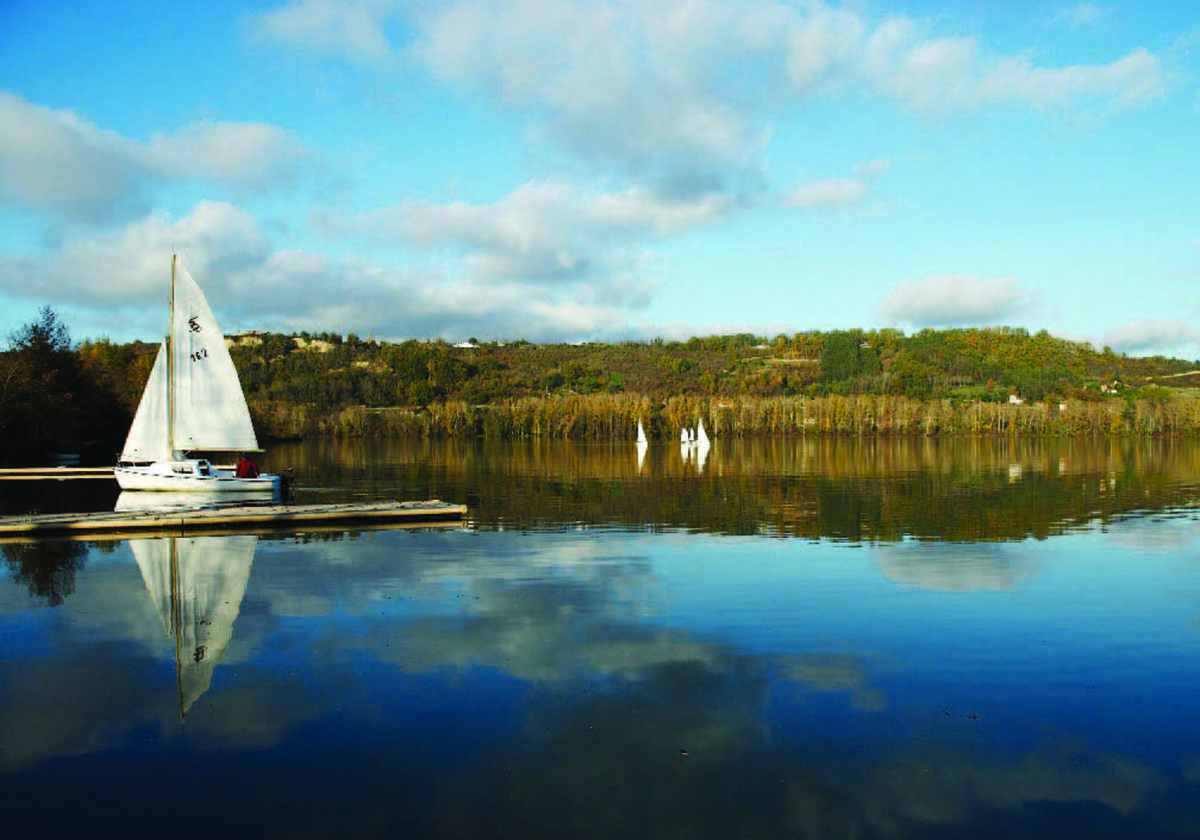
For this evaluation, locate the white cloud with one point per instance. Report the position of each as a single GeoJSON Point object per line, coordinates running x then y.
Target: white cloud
{"type": "Point", "coordinates": [129, 267]}
{"type": "Point", "coordinates": [55, 159]}
{"type": "Point", "coordinates": [1153, 335]}
{"type": "Point", "coordinates": [547, 232]}
{"type": "Point", "coordinates": [352, 28]}
{"type": "Point", "coordinates": [116, 282]}
{"type": "Point", "coordinates": [943, 74]}
{"type": "Point", "coordinates": [1081, 14]}
{"type": "Point", "coordinates": [830, 192]}
{"type": "Point", "coordinates": [295, 290]}
{"type": "Point", "coordinates": [949, 300]}
{"type": "Point", "coordinates": [835, 192]}
{"type": "Point", "coordinates": [249, 154]}
{"type": "Point", "coordinates": [683, 89]}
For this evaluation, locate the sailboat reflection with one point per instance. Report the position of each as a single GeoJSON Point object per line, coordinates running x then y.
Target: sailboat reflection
{"type": "Point", "coordinates": [697, 452]}
{"type": "Point", "coordinates": [197, 585]}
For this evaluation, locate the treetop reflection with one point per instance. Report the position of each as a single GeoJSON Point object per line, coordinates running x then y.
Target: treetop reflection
{"type": "Point", "coordinates": [873, 490]}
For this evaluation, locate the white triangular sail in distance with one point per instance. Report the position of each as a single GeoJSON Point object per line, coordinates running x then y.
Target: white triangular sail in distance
{"type": "Point", "coordinates": [683, 435]}
{"type": "Point", "coordinates": [210, 410]}
{"type": "Point", "coordinates": [197, 585]}
{"type": "Point", "coordinates": [641, 434]}
{"type": "Point", "coordinates": [701, 435]}
{"type": "Point", "coordinates": [147, 440]}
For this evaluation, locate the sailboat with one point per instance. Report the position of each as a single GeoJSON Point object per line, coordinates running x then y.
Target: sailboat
{"type": "Point", "coordinates": [641, 433]}
{"type": "Point", "coordinates": [701, 435]}
{"type": "Point", "coordinates": [193, 401]}
{"type": "Point", "coordinates": [197, 585]}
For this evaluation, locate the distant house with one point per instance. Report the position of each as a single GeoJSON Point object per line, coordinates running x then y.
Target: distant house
{"type": "Point", "coordinates": [249, 338]}
{"type": "Point", "coordinates": [466, 345]}
{"type": "Point", "coordinates": [1013, 399]}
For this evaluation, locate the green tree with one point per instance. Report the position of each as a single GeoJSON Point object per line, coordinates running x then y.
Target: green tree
{"type": "Point", "coordinates": [839, 358]}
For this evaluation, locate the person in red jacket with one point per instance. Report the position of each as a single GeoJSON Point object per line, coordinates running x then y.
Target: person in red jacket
{"type": "Point", "coordinates": [245, 468]}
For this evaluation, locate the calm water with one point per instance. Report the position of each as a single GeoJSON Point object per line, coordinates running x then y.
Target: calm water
{"type": "Point", "coordinates": [791, 639]}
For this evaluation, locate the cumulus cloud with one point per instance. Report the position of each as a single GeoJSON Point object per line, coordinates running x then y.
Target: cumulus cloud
{"type": "Point", "coordinates": [1152, 335]}
{"type": "Point", "coordinates": [114, 281]}
{"type": "Point", "coordinates": [296, 290]}
{"type": "Point", "coordinates": [1080, 14]}
{"type": "Point", "coordinates": [830, 192]}
{"type": "Point", "coordinates": [352, 28]}
{"type": "Point", "coordinates": [128, 267]}
{"type": "Point", "coordinates": [683, 89]}
{"type": "Point", "coordinates": [835, 192]}
{"type": "Point", "coordinates": [949, 300]}
{"type": "Point", "coordinates": [547, 232]}
{"type": "Point", "coordinates": [943, 73]}
{"type": "Point", "coordinates": [56, 159]}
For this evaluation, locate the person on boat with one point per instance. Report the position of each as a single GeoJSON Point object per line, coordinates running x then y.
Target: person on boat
{"type": "Point", "coordinates": [245, 468]}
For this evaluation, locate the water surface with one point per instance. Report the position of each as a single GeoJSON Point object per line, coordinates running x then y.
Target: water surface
{"type": "Point", "coordinates": [826, 639]}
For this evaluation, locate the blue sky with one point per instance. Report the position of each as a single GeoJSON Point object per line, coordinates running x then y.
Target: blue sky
{"type": "Point", "coordinates": [574, 169]}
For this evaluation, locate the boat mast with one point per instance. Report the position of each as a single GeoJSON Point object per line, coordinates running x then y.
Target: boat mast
{"type": "Point", "coordinates": [171, 367]}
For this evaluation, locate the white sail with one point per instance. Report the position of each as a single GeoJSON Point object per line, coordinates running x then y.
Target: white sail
{"type": "Point", "coordinates": [197, 585]}
{"type": "Point", "coordinates": [701, 435]}
{"type": "Point", "coordinates": [683, 435]}
{"type": "Point", "coordinates": [210, 410]}
{"type": "Point", "coordinates": [641, 437]}
{"type": "Point", "coordinates": [147, 439]}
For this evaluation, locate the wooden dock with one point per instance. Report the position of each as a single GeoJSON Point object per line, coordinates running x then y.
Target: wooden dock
{"type": "Point", "coordinates": [241, 518]}
{"type": "Point", "coordinates": [60, 473]}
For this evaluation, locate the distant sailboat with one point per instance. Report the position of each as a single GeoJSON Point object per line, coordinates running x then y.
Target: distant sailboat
{"type": "Point", "coordinates": [684, 440]}
{"type": "Point", "coordinates": [193, 401]}
{"type": "Point", "coordinates": [641, 433]}
{"type": "Point", "coordinates": [197, 585]}
{"type": "Point", "coordinates": [701, 435]}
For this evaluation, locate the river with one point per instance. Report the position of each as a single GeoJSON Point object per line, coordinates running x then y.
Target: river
{"type": "Point", "coordinates": [824, 638]}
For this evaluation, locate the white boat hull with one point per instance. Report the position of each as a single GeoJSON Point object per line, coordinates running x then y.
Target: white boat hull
{"type": "Point", "coordinates": [168, 476]}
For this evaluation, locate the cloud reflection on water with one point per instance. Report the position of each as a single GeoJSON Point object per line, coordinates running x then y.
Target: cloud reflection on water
{"type": "Point", "coordinates": [955, 567]}
{"type": "Point", "coordinates": [558, 693]}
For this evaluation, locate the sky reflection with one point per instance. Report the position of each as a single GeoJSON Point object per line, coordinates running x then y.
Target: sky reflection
{"type": "Point", "coordinates": [466, 683]}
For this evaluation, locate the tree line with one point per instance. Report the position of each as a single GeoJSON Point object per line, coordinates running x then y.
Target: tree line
{"type": "Point", "coordinates": [56, 395]}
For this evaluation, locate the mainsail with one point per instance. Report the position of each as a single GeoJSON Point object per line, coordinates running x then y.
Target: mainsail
{"type": "Point", "coordinates": [210, 411]}
{"type": "Point", "coordinates": [197, 585]}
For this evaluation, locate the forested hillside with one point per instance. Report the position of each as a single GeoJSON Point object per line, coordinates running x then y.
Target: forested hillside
{"type": "Point", "coordinates": [57, 396]}
{"type": "Point", "coordinates": [980, 364]}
